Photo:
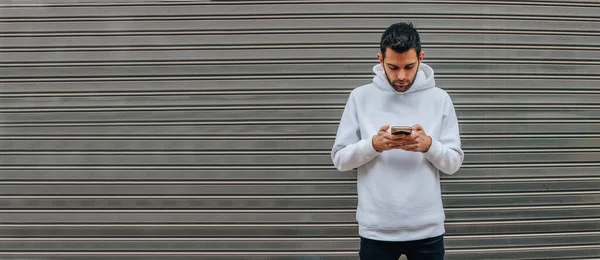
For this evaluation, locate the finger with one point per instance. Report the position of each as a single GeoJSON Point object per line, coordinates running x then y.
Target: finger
{"type": "Point", "coordinates": [384, 128]}
{"type": "Point", "coordinates": [412, 148]}
{"type": "Point", "coordinates": [403, 142]}
{"type": "Point", "coordinates": [388, 146]}
{"type": "Point", "coordinates": [412, 137]}
{"type": "Point", "coordinates": [398, 136]}
{"type": "Point", "coordinates": [417, 128]}
{"type": "Point", "coordinates": [404, 146]}
{"type": "Point", "coordinates": [396, 146]}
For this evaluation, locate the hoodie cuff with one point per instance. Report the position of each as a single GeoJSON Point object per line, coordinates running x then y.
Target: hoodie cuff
{"type": "Point", "coordinates": [366, 148]}
{"type": "Point", "coordinates": [434, 150]}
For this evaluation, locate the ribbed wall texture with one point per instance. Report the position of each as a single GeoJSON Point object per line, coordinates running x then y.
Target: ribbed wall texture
{"type": "Point", "coordinates": [202, 130]}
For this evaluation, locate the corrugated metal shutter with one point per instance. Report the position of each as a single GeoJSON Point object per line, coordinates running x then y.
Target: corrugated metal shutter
{"type": "Point", "coordinates": [202, 130]}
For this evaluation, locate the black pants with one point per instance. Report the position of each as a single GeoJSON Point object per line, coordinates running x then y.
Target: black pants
{"type": "Point", "coordinates": [426, 249]}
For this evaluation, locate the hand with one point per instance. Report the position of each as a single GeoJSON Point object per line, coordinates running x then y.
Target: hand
{"type": "Point", "coordinates": [384, 140]}
{"type": "Point", "coordinates": [417, 141]}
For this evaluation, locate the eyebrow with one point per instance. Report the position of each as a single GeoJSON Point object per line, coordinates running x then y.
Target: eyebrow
{"type": "Point", "coordinates": [404, 65]}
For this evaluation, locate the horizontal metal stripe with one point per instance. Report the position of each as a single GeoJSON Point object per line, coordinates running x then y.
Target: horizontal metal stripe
{"type": "Point", "coordinates": [159, 226]}
{"type": "Point", "coordinates": [426, 18]}
{"type": "Point", "coordinates": [470, 171]}
{"type": "Point", "coordinates": [207, 48]}
{"type": "Point", "coordinates": [261, 239]}
{"type": "Point", "coordinates": [172, 217]}
{"type": "Point", "coordinates": [303, 7]}
{"type": "Point", "coordinates": [192, 71]}
{"type": "Point", "coordinates": [271, 107]}
{"type": "Point", "coordinates": [274, 216]}
{"type": "Point", "coordinates": [312, 197]}
{"type": "Point", "coordinates": [435, 41]}
{"type": "Point", "coordinates": [256, 202]}
{"type": "Point", "coordinates": [75, 65]}
{"type": "Point", "coordinates": [283, 3]}
{"type": "Point", "coordinates": [186, 257]}
{"type": "Point", "coordinates": [296, 182]}
{"type": "Point", "coordinates": [174, 32]}
{"type": "Point", "coordinates": [163, 226]}
{"type": "Point", "coordinates": [308, 84]}
{"type": "Point", "coordinates": [524, 250]}
{"type": "Point", "coordinates": [280, 66]}
{"type": "Point", "coordinates": [269, 137]}
{"type": "Point", "coordinates": [264, 128]}
{"type": "Point", "coordinates": [183, 226]}
{"type": "Point", "coordinates": [175, 245]}
{"type": "Point", "coordinates": [287, 256]}
{"type": "Point", "coordinates": [224, 197]}
{"type": "Point", "coordinates": [299, 76]}
{"type": "Point", "coordinates": [163, 173]}
{"type": "Point", "coordinates": [282, 122]}
{"type": "Point", "coordinates": [322, 126]}
{"type": "Point", "coordinates": [290, 143]}
{"type": "Point", "coordinates": [184, 108]}
{"type": "Point", "coordinates": [324, 100]}
{"type": "Point", "coordinates": [171, 253]}
{"type": "Point", "coordinates": [268, 151]}
{"type": "Point", "coordinates": [267, 145]}
{"type": "Point", "coordinates": [450, 239]}
{"type": "Point", "coordinates": [237, 187]}
{"type": "Point", "coordinates": [278, 71]}
{"type": "Point", "coordinates": [217, 58]}
{"type": "Point", "coordinates": [241, 244]}
{"type": "Point", "coordinates": [264, 167]}
{"type": "Point", "coordinates": [172, 167]}
{"type": "Point", "coordinates": [186, 18]}
{"type": "Point", "coordinates": [508, 150]}
{"type": "Point", "coordinates": [322, 158]}
{"type": "Point", "coordinates": [166, 239]}
{"type": "Point", "coordinates": [279, 230]}
{"type": "Point", "coordinates": [548, 251]}
{"type": "Point", "coordinates": [21, 138]}
{"type": "Point", "coordinates": [236, 16]}
{"type": "Point", "coordinates": [425, 23]}
{"type": "Point", "coordinates": [266, 173]}
{"type": "Point", "coordinates": [207, 211]}
{"type": "Point", "coordinates": [317, 113]}
{"type": "Point", "coordinates": [464, 102]}
{"type": "Point", "coordinates": [221, 244]}
{"type": "Point", "coordinates": [230, 93]}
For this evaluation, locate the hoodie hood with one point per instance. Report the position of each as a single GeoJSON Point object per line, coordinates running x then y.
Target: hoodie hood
{"type": "Point", "coordinates": [423, 80]}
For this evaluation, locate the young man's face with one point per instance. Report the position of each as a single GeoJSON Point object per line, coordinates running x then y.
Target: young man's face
{"type": "Point", "coordinates": [400, 68]}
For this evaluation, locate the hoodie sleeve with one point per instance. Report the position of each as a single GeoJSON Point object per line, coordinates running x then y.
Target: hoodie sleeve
{"type": "Point", "coordinates": [349, 151]}
{"type": "Point", "coordinates": [446, 153]}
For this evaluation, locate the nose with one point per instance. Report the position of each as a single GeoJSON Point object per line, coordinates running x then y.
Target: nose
{"type": "Point", "coordinates": [401, 75]}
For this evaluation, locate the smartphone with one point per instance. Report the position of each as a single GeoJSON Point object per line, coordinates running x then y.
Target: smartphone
{"type": "Point", "coordinates": [397, 130]}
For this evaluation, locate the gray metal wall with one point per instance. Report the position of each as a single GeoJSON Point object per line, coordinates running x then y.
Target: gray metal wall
{"type": "Point", "coordinates": [202, 130]}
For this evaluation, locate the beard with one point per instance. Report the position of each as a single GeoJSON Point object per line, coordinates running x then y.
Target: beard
{"type": "Point", "coordinates": [401, 85]}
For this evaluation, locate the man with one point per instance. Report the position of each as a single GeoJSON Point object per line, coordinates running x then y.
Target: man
{"type": "Point", "coordinates": [399, 199]}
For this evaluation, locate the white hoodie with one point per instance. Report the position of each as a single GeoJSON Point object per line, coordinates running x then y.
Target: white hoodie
{"type": "Point", "coordinates": [399, 196]}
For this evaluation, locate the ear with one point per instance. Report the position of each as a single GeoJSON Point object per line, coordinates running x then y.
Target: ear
{"type": "Point", "coordinates": [380, 58]}
{"type": "Point", "coordinates": [421, 56]}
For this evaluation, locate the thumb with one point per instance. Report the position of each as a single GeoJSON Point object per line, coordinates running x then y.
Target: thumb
{"type": "Point", "coordinates": [417, 127]}
{"type": "Point", "coordinates": [384, 128]}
